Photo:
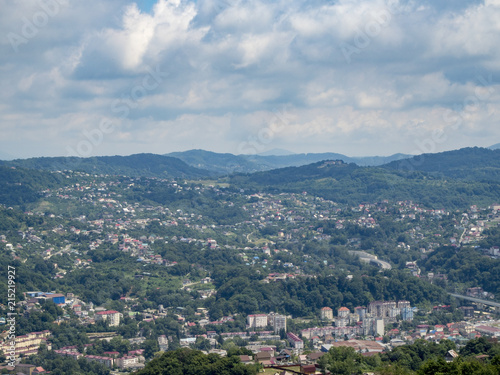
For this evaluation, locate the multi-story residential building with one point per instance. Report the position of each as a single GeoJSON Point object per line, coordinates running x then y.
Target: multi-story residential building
{"type": "Point", "coordinates": [106, 361]}
{"type": "Point", "coordinates": [407, 314]}
{"type": "Point", "coordinates": [277, 321]}
{"type": "Point", "coordinates": [361, 311]}
{"type": "Point", "coordinates": [326, 313]}
{"type": "Point", "coordinates": [404, 304]}
{"type": "Point", "coordinates": [382, 309]}
{"type": "Point", "coordinates": [373, 326]}
{"type": "Point", "coordinates": [337, 332]}
{"type": "Point", "coordinates": [343, 317]}
{"type": "Point", "coordinates": [257, 321]}
{"type": "Point", "coordinates": [127, 362]}
{"type": "Point", "coordinates": [112, 316]}
{"type": "Point", "coordinates": [389, 310]}
{"type": "Point", "coordinates": [163, 343]}
{"type": "Point", "coordinates": [353, 318]}
{"type": "Point", "coordinates": [69, 353]}
{"type": "Point", "coordinates": [343, 312]}
{"type": "Point", "coordinates": [295, 341]}
{"type": "Point", "coordinates": [28, 344]}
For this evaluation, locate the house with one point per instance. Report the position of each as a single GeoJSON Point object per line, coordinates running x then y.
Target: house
{"type": "Point", "coordinates": [314, 357]}
{"type": "Point", "coordinates": [25, 369]}
{"type": "Point", "coordinates": [206, 280]}
{"type": "Point", "coordinates": [246, 360]}
{"type": "Point", "coordinates": [308, 369]}
{"type": "Point", "coordinates": [263, 357]}
{"type": "Point", "coordinates": [450, 355]}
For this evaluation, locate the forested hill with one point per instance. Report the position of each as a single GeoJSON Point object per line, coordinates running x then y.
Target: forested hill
{"type": "Point", "coordinates": [145, 165]}
{"type": "Point", "coordinates": [325, 169]}
{"type": "Point", "coordinates": [473, 163]}
{"type": "Point", "coordinates": [19, 186]}
{"type": "Point", "coordinates": [218, 162]}
{"type": "Point", "coordinates": [350, 184]}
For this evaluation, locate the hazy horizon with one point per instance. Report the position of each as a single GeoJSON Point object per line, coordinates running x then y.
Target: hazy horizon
{"type": "Point", "coordinates": [267, 153]}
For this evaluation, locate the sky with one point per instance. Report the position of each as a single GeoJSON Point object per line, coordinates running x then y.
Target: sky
{"type": "Point", "coordinates": [377, 77]}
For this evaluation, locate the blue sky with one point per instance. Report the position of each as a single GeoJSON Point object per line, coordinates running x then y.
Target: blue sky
{"type": "Point", "coordinates": [351, 76]}
{"type": "Point", "coordinates": [146, 5]}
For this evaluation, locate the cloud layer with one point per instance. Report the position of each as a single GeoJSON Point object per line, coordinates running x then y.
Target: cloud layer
{"type": "Point", "coordinates": [351, 76]}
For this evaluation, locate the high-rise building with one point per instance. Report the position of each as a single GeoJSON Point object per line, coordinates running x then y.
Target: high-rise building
{"type": "Point", "coordinates": [407, 314]}
{"type": "Point", "coordinates": [373, 326]}
{"type": "Point", "coordinates": [278, 322]}
{"type": "Point", "coordinates": [361, 311]}
{"type": "Point", "coordinates": [381, 309]}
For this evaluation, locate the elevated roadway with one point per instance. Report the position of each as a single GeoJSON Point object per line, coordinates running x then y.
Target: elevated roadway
{"type": "Point", "coordinates": [477, 300]}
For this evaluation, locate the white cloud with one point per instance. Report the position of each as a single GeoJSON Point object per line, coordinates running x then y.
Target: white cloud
{"type": "Point", "coordinates": [232, 64]}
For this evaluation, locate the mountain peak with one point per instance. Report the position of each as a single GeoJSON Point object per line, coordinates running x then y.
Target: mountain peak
{"type": "Point", "coordinates": [495, 147]}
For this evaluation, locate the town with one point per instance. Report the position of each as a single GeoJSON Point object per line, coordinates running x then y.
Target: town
{"type": "Point", "coordinates": [169, 298]}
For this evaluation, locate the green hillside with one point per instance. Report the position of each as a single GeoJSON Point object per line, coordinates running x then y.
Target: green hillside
{"type": "Point", "coordinates": [475, 163]}
{"type": "Point", "coordinates": [350, 184]}
{"type": "Point", "coordinates": [144, 165]}
{"type": "Point", "coordinates": [19, 186]}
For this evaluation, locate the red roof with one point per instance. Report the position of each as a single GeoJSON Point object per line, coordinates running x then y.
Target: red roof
{"type": "Point", "coordinates": [109, 312]}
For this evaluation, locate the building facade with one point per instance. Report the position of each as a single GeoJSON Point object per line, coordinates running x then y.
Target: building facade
{"type": "Point", "coordinates": [257, 321]}
{"type": "Point", "coordinates": [111, 316]}
{"type": "Point", "coordinates": [326, 313]}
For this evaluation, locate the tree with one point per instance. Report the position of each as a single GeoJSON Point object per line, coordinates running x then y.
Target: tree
{"type": "Point", "coordinates": [202, 344]}
{"type": "Point", "coordinates": [343, 361]}
{"type": "Point", "coordinates": [150, 348]}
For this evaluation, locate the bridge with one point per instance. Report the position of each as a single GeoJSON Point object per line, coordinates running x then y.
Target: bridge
{"type": "Point", "coordinates": [370, 258]}
{"type": "Point", "coordinates": [477, 300]}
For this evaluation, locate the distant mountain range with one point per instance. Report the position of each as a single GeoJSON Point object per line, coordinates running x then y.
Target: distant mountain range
{"type": "Point", "coordinates": [229, 163]}
{"type": "Point", "coordinates": [145, 165]}
{"type": "Point", "coordinates": [447, 179]}
{"type": "Point", "coordinates": [468, 163]}
{"type": "Point", "coordinates": [187, 164]}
